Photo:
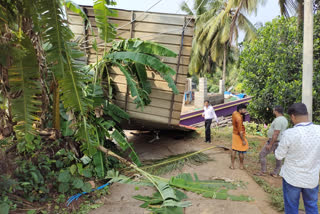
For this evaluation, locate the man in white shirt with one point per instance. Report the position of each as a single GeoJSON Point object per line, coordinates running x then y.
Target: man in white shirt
{"type": "Point", "coordinates": [208, 115]}
{"type": "Point", "coordinates": [300, 147]}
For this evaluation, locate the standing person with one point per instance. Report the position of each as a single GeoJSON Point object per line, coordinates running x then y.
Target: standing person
{"type": "Point", "coordinates": [300, 147]}
{"type": "Point", "coordinates": [278, 126]}
{"type": "Point", "coordinates": [208, 115]}
{"type": "Point", "coordinates": [239, 141]}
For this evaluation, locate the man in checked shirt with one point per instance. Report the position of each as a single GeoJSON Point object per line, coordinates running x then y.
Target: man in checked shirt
{"type": "Point", "coordinates": [300, 147]}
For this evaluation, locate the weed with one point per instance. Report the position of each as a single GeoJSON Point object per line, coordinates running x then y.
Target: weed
{"type": "Point", "coordinates": [276, 194]}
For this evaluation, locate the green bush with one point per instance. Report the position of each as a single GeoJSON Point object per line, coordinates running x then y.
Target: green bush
{"type": "Point", "coordinates": [271, 68]}
{"type": "Point", "coordinates": [253, 128]}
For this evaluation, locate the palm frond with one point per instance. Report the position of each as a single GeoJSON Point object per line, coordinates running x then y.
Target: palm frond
{"type": "Point", "coordinates": [287, 7]}
{"type": "Point", "coordinates": [211, 27]}
{"type": "Point", "coordinates": [185, 8]}
{"type": "Point", "coordinates": [245, 25]}
{"type": "Point", "coordinates": [107, 31]}
{"type": "Point", "coordinates": [24, 80]}
{"type": "Point", "coordinates": [164, 70]}
{"type": "Point", "coordinates": [176, 162]}
{"type": "Point", "coordinates": [224, 34]}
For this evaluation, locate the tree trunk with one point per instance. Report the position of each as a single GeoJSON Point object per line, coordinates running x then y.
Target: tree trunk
{"type": "Point", "coordinates": [224, 70]}
{"type": "Point", "coordinates": [300, 14]}
{"type": "Point", "coordinates": [56, 105]}
{"type": "Point", "coordinates": [307, 76]}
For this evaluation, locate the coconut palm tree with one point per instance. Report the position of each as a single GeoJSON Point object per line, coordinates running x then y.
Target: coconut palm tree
{"type": "Point", "coordinates": [215, 34]}
{"type": "Point", "coordinates": [202, 11]}
{"type": "Point", "coordinates": [288, 7]}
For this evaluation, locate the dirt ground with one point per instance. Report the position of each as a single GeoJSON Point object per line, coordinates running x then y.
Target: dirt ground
{"type": "Point", "coordinates": [120, 200]}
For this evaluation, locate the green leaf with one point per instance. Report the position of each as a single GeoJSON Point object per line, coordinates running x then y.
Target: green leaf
{"type": "Point", "coordinates": [77, 183]}
{"type": "Point", "coordinates": [63, 187]}
{"type": "Point", "coordinates": [86, 187]}
{"type": "Point", "coordinates": [59, 164]}
{"type": "Point", "coordinates": [173, 203]}
{"type": "Point", "coordinates": [87, 173]}
{"type": "Point", "coordinates": [24, 81]}
{"type": "Point", "coordinates": [164, 70]}
{"type": "Point", "coordinates": [140, 46]}
{"type": "Point", "coordinates": [32, 211]}
{"type": "Point", "coordinates": [168, 210]}
{"type": "Point", "coordinates": [107, 31]}
{"type": "Point", "coordinates": [142, 77]}
{"type": "Point", "coordinates": [29, 138]}
{"type": "Point", "coordinates": [135, 91]}
{"type": "Point", "coordinates": [124, 145]}
{"type": "Point", "coordinates": [73, 169]}
{"type": "Point", "coordinates": [80, 168]}
{"type": "Point", "coordinates": [4, 208]}
{"type": "Point", "coordinates": [98, 160]}
{"type": "Point", "coordinates": [75, 8]}
{"type": "Point", "coordinates": [85, 159]}
{"type": "Point", "coordinates": [211, 189]}
{"type": "Point", "coordinates": [64, 176]}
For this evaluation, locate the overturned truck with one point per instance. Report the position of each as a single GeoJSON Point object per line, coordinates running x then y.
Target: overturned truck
{"type": "Point", "coordinates": [170, 30]}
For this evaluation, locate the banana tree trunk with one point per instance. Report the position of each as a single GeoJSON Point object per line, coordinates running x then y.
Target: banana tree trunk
{"type": "Point", "coordinates": [56, 105]}
{"type": "Point", "coordinates": [307, 76]}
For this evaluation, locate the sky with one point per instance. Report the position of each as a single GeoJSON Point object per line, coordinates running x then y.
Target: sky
{"type": "Point", "coordinates": [265, 12]}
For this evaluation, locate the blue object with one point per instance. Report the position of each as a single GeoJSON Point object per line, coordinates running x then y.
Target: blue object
{"type": "Point", "coordinates": [240, 95]}
{"type": "Point", "coordinates": [291, 195]}
{"type": "Point", "coordinates": [227, 93]}
{"type": "Point", "coordinates": [77, 196]}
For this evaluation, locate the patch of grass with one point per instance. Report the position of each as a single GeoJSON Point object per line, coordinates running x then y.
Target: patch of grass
{"type": "Point", "coordinates": [276, 195]}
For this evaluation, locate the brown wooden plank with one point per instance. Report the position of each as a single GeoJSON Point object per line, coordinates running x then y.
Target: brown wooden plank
{"type": "Point", "coordinates": [164, 38]}
{"type": "Point", "coordinates": [183, 61]}
{"type": "Point", "coordinates": [154, 102]}
{"type": "Point", "coordinates": [160, 18]}
{"type": "Point", "coordinates": [162, 28]}
{"type": "Point", "coordinates": [152, 75]}
{"type": "Point", "coordinates": [149, 110]}
{"type": "Point", "coordinates": [153, 118]}
{"type": "Point", "coordinates": [176, 19]}
{"type": "Point", "coordinates": [186, 51]}
{"type": "Point", "coordinates": [155, 93]}
{"type": "Point", "coordinates": [122, 14]}
{"type": "Point", "coordinates": [155, 84]}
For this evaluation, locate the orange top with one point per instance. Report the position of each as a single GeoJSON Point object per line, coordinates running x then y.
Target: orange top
{"type": "Point", "coordinates": [238, 127]}
{"type": "Point", "coordinates": [237, 122]}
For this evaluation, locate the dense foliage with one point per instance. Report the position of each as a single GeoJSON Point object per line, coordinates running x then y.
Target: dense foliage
{"type": "Point", "coordinates": [56, 112]}
{"type": "Point", "coordinates": [271, 68]}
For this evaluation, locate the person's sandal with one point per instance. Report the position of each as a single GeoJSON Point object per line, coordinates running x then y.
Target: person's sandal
{"type": "Point", "coordinates": [260, 174]}
{"type": "Point", "coordinates": [274, 175]}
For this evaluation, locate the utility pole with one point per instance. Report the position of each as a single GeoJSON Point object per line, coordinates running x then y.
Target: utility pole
{"type": "Point", "coordinates": [307, 76]}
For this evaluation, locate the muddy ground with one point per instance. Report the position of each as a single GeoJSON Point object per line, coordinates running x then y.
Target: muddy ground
{"type": "Point", "coordinates": [120, 199]}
